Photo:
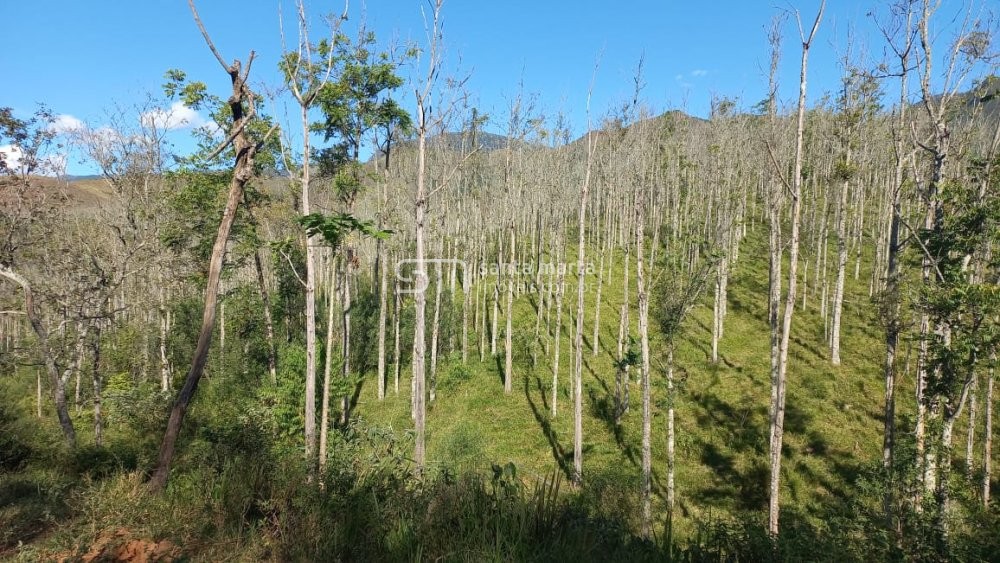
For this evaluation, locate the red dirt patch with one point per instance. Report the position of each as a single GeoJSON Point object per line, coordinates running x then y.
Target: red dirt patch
{"type": "Point", "coordinates": [119, 545]}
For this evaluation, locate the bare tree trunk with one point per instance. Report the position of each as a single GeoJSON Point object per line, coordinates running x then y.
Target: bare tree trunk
{"type": "Point", "coordinates": [481, 317]}
{"type": "Point", "coordinates": [578, 347]}
{"type": "Point", "coordinates": [265, 298]}
{"type": "Point", "coordinates": [222, 334]}
{"type": "Point", "coordinates": [496, 316]}
{"type": "Point", "coordinates": [383, 290]}
{"type": "Point", "coordinates": [838, 293]}
{"type": "Point", "coordinates": [243, 170]}
{"type": "Point", "coordinates": [38, 393]}
{"type": "Point", "coordinates": [435, 330]}
{"type": "Point", "coordinates": [892, 322]}
{"type": "Point", "coordinates": [165, 383]}
{"type": "Point", "coordinates": [597, 303]}
{"type": "Point", "coordinates": [324, 423]}
{"type": "Point", "coordinates": [717, 315]}
{"type": "Point", "coordinates": [950, 416]}
{"type": "Point", "coordinates": [778, 412]}
{"type": "Point", "coordinates": [988, 435]}
{"type": "Point", "coordinates": [643, 301]}
{"type": "Point", "coordinates": [508, 372]}
{"type": "Point", "coordinates": [622, 382]}
{"type": "Point", "coordinates": [466, 296]}
{"type": "Point", "coordinates": [345, 404]}
{"type": "Point", "coordinates": [58, 383]}
{"type": "Point", "coordinates": [970, 441]}
{"type": "Point", "coordinates": [96, 372]}
{"type": "Point", "coordinates": [395, 336]}
{"type": "Point", "coordinates": [310, 297]}
{"type": "Point", "coordinates": [76, 396]}
{"type": "Point", "coordinates": [560, 289]}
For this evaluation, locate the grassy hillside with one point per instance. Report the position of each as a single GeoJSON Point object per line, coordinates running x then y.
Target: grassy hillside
{"type": "Point", "coordinates": [833, 421]}
{"type": "Point", "coordinates": [230, 499]}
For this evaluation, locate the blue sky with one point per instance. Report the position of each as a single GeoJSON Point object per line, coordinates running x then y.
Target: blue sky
{"type": "Point", "coordinates": [84, 58]}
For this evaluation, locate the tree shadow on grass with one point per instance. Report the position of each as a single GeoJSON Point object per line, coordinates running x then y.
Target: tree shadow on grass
{"type": "Point", "coordinates": [542, 418]}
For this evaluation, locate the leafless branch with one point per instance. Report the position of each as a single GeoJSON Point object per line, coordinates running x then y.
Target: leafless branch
{"type": "Point", "coordinates": [927, 252]}
{"type": "Point", "coordinates": [208, 39]}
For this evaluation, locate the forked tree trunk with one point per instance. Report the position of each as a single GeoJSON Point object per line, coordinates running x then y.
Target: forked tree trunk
{"type": "Point", "coordinates": [778, 412]}
{"type": "Point", "coordinates": [892, 297]}
{"type": "Point", "coordinates": [243, 170]}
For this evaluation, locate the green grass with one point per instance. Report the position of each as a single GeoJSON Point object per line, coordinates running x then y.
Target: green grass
{"type": "Point", "coordinates": [833, 419]}
{"type": "Point", "coordinates": [238, 492]}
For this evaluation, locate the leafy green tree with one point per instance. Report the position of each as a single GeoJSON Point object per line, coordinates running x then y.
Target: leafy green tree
{"type": "Point", "coordinates": [354, 105]}
{"type": "Point", "coordinates": [963, 303]}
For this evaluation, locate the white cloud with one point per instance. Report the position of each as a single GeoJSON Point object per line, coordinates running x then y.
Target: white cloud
{"type": "Point", "coordinates": [66, 123]}
{"type": "Point", "coordinates": [11, 156]}
{"type": "Point", "coordinates": [179, 116]}
{"type": "Point", "coordinates": [48, 165]}
{"type": "Point", "coordinates": [699, 73]}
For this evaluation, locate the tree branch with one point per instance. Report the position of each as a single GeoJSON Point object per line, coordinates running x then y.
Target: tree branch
{"type": "Point", "coordinates": [204, 33]}
{"type": "Point", "coordinates": [923, 247]}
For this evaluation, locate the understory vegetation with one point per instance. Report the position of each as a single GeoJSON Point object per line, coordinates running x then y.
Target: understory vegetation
{"type": "Point", "coordinates": [380, 332]}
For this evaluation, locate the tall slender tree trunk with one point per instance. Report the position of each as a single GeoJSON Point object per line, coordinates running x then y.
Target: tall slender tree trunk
{"type": "Point", "coordinates": [560, 289]}
{"type": "Point", "coordinates": [597, 303]}
{"type": "Point", "coordinates": [243, 170]}
{"type": "Point", "coordinates": [838, 292]}
{"type": "Point", "coordinates": [671, 440]}
{"type": "Point", "coordinates": [265, 298]}
{"type": "Point", "coordinates": [643, 302]}
{"type": "Point", "coordinates": [310, 297]}
{"type": "Point", "coordinates": [495, 319]}
{"type": "Point", "coordinates": [892, 296]}
{"type": "Point", "coordinates": [383, 290]}
{"type": "Point", "coordinates": [970, 438]}
{"type": "Point", "coordinates": [624, 328]}
{"type": "Point", "coordinates": [324, 426]}
{"type": "Point", "coordinates": [38, 393]}
{"type": "Point", "coordinates": [419, 296]}
{"type": "Point", "coordinates": [988, 434]}
{"type": "Point", "coordinates": [508, 372]}
{"type": "Point", "coordinates": [578, 335]}
{"type": "Point", "coordinates": [466, 297]}
{"type": "Point", "coordinates": [396, 360]}
{"type": "Point", "coordinates": [778, 412]}
{"type": "Point", "coordinates": [96, 373]}
{"type": "Point", "coordinates": [435, 332]}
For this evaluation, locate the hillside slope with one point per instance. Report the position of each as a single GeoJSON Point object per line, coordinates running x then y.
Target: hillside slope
{"type": "Point", "coordinates": [833, 422]}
